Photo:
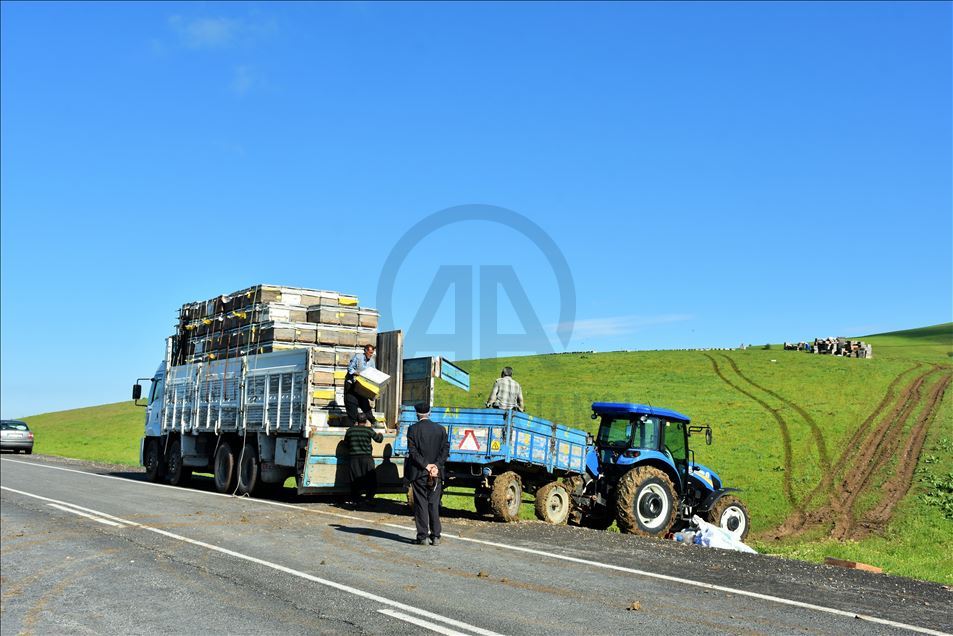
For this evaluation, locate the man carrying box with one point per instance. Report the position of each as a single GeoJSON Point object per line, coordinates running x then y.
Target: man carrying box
{"type": "Point", "coordinates": [354, 403]}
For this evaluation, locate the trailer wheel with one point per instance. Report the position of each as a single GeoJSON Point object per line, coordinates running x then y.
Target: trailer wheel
{"type": "Point", "coordinates": [553, 503]}
{"type": "Point", "coordinates": [249, 474]}
{"type": "Point", "coordinates": [506, 496]}
{"type": "Point", "coordinates": [730, 514]}
{"type": "Point", "coordinates": [152, 458]}
{"type": "Point", "coordinates": [224, 468]}
{"type": "Point", "coordinates": [646, 502]}
{"type": "Point", "coordinates": [177, 473]}
{"type": "Point", "coordinates": [481, 501]}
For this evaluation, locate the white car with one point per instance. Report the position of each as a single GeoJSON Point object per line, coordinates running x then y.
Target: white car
{"type": "Point", "coordinates": [16, 436]}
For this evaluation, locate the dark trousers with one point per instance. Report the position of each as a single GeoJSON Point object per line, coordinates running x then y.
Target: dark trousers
{"type": "Point", "coordinates": [427, 508]}
{"type": "Point", "coordinates": [354, 404]}
{"type": "Point", "coordinates": [363, 477]}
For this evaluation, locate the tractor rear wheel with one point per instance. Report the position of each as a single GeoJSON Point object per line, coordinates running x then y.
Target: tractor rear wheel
{"type": "Point", "coordinates": [553, 503]}
{"type": "Point", "coordinates": [646, 502]}
{"type": "Point", "coordinates": [730, 514]}
{"type": "Point", "coordinates": [506, 496]}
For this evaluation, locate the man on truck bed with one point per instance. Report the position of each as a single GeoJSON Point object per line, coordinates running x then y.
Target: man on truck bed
{"type": "Point", "coordinates": [360, 464]}
{"type": "Point", "coordinates": [354, 403]}
{"type": "Point", "coordinates": [507, 392]}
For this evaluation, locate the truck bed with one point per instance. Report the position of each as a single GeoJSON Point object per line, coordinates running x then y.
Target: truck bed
{"type": "Point", "coordinates": [492, 436]}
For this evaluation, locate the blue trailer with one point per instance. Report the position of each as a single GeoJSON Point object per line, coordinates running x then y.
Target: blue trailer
{"type": "Point", "coordinates": [501, 453]}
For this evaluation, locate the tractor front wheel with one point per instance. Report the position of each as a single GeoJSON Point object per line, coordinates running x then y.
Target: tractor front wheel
{"type": "Point", "coordinates": [730, 514]}
{"type": "Point", "coordinates": [553, 503]}
{"type": "Point", "coordinates": [506, 496]}
{"type": "Point", "coordinates": [645, 503]}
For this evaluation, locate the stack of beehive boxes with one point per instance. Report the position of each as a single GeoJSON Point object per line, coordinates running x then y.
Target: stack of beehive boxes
{"type": "Point", "coordinates": [266, 318]}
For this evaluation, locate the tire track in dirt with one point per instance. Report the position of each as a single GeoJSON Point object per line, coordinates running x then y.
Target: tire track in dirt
{"type": "Point", "coordinates": [796, 523]}
{"type": "Point", "coordinates": [897, 486]}
{"type": "Point", "coordinates": [827, 476]}
{"type": "Point", "coordinates": [851, 444]}
{"type": "Point", "coordinates": [873, 454]}
{"type": "Point", "coordinates": [782, 427]}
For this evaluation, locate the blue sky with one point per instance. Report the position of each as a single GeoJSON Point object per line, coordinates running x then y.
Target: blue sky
{"type": "Point", "coordinates": [712, 173]}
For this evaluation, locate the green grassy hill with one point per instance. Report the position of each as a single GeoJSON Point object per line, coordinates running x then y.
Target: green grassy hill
{"type": "Point", "coordinates": [837, 457]}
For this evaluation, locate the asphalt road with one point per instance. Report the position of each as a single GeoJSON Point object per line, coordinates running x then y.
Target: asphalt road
{"type": "Point", "coordinates": [89, 549]}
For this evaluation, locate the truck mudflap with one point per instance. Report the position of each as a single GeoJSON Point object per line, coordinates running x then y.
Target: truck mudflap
{"type": "Point", "coordinates": [712, 498]}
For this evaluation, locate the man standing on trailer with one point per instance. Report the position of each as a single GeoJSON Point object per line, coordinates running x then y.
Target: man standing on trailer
{"type": "Point", "coordinates": [360, 464]}
{"type": "Point", "coordinates": [354, 403]}
{"type": "Point", "coordinates": [507, 392]}
{"type": "Point", "coordinates": [428, 448]}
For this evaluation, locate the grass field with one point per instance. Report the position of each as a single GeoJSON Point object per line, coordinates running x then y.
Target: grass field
{"type": "Point", "coordinates": [820, 445]}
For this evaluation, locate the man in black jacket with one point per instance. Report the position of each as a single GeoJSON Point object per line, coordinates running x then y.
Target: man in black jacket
{"type": "Point", "coordinates": [428, 448]}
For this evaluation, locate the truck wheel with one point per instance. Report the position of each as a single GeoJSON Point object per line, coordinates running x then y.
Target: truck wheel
{"type": "Point", "coordinates": [177, 473]}
{"type": "Point", "coordinates": [645, 503]}
{"type": "Point", "coordinates": [506, 496]}
{"type": "Point", "coordinates": [481, 501]}
{"type": "Point", "coordinates": [224, 468]}
{"type": "Point", "coordinates": [552, 503]}
{"type": "Point", "coordinates": [731, 515]}
{"type": "Point", "coordinates": [249, 476]}
{"type": "Point", "coordinates": [152, 459]}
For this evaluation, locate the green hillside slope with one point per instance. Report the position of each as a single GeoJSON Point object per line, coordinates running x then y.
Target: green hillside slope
{"type": "Point", "coordinates": [826, 449]}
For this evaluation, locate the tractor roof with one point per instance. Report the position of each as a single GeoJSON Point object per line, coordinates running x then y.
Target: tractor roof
{"type": "Point", "coordinates": [626, 408]}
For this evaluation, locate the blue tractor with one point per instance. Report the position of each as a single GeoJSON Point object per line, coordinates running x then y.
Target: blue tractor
{"type": "Point", "coordinates": [641, 473]}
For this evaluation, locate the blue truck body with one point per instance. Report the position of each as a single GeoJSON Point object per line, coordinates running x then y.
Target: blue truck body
{"type": "Point", "coordinates": [501, 453]}
{"type": "Point", "coordinates": [501, 440]}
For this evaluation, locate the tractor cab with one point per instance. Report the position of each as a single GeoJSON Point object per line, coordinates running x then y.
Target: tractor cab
{"type": "Point", "coordinates": [638, 433]}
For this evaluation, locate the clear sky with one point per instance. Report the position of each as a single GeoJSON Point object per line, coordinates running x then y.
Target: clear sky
{"type": "Point", "coordinates": [711, 173]}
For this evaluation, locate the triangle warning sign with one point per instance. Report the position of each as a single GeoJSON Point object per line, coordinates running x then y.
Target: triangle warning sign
{"type": "Point", "coordinates": [469, 441]}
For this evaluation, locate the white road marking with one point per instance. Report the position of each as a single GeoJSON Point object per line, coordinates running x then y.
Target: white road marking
{"type": "Point", "coordinates": [608, 566]}
{"type": "Point", "coordinates": [274, 566]}
{"type": "Point", "coordinates": [106, 522]}
{"type": "Point", "coordinates": [440, 629]}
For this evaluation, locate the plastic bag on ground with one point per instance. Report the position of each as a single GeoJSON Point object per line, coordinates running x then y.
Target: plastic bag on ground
{"type": "Point", "coordinates": [715, 537]}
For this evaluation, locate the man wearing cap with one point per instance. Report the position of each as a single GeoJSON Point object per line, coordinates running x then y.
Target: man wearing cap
{"type": "Point", "coordinates": [354, 403]}
{"type": "Point", "coordinates": [507, 392]}
{"type": "Point", "coordinates": [428, 449]}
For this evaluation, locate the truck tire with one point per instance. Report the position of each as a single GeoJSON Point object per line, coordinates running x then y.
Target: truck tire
{"type": "Point", "coordinates": [249, 477]}
{"type": "Point", "coordinates": [646, 503]}
{"type": "Point", "coordinates": [730, 514]}
{"type": "Point", "coordinates": [152, 460]}
{"type": "Point", "coordinates": [506, 496]}
{"type": "Point", "coordinates": [176, 473]}
{"type": "Point", "coordinates": [223, 468]}
{"type": "Point", "coordinates": [481, 501]}
{"type": "Point", "coordinates": [553, 503]}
